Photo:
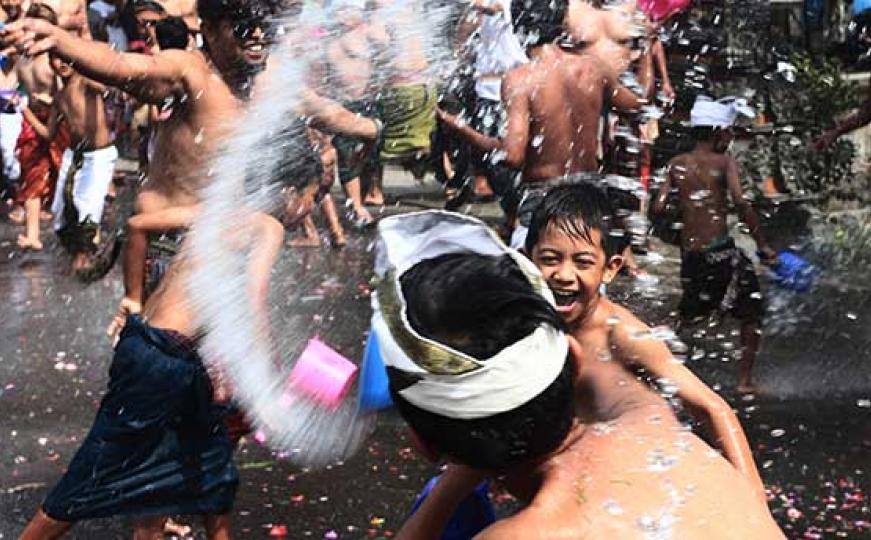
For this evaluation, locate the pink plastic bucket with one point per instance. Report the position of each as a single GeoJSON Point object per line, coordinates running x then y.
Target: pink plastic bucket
{"type": "Point", "coordinates": [660, 9]}
{"type": "Point", "coordinates": [323, 374]}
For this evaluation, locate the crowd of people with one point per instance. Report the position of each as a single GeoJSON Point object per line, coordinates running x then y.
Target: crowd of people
{"type": "Point", "coordinates": [509, 362]}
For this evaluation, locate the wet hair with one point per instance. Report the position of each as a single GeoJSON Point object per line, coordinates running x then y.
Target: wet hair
{"type": "Point", "coordinates": [42, 11]}
{"type": "Point", "coordinates": [172, 33]}
{"type": "Point", "coordinates": [577, 210]}
{"type": "Point", "coordinates": [538, 22]}
{"type": "Point", "coordinates": [480, 305]}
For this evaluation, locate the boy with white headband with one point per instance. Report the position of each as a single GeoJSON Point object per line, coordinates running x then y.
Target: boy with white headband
{"type": "Point", "coordinates": [481, 370]}
{"type": "Point", "coordinates": [716, 275]}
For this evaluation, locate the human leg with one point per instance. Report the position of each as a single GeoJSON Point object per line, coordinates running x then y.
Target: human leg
{"type": "Point", "coordinates": [217, 526]}
{"type": "Point", "coordinates": [30, 239]}
{"type": "Point", "coordinates": [337, 233]}
{"type": "Point", "coordinates": [148, 528]}
{"type": "Point", "coordinates": [42, 527]}
{"type": "Point", "coordinates": [750, 338]}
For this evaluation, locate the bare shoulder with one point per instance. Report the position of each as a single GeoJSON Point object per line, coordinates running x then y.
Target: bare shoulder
{"type": "Point", "coordinates": [621, 323]}
{"type": "Point", "coordinates": [522, 526]}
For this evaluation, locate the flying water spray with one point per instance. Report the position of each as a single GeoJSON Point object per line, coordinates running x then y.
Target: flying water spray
{"type": "Point", "coordinates": [254, 348]}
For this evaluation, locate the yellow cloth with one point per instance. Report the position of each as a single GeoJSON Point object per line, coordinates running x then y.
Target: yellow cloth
{"type": "Point", "coordinates": [408, 113]}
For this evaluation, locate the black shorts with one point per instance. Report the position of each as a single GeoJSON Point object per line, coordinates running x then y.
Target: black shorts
{"type": "Point", "coordinates": [356, 156]}
{"type": "Point", "coordinates": [720, 279]}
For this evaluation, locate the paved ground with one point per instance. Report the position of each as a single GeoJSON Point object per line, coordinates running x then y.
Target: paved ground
{"type": "Point", "coordinates": [810, 426]}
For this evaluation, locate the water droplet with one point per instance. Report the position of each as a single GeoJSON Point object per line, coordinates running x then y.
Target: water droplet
{"type": "Point", "coordinates": [613, 508]}
{"type": "Point", "coordinates": [778, 432]}
{"type": "Point", "coordinates": [864, 403]}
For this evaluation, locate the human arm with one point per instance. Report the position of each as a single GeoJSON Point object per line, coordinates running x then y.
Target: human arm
{"type": "Point", "coordinates": [150, 78]}
{"type": "Point", "coordinates": [746, 213]}
{"type": "Point", "coordinates": [662, 68]}
{"type": "Point", "coordinates": [429, 521]}
{"type": "Point", "coordinates": [516, 138]}
{"type": "Point", "coordinates": [858, 118]}
{"type": "Point", "coordinates": [636, 347]}
{"type": "Point", "coordinates": [135, 252]}
{"type": "Point", "coordinates": [327, 115]}
{"type": "Point", "coordinates": [663, 195]}
{"type": "Point", "coordinates": [45, 131]}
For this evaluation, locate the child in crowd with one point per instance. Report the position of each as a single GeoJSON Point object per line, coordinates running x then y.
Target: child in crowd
{"type": "Point", "coordinates": [573, 242]}
{"type": "Point", "coordinates": [717, 276]}
{"type": "Point", "coordinates": [87, 165]}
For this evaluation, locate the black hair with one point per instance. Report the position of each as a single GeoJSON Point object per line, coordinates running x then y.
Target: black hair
{"type": "Point", "coordinates": [480, 305]}
{"type": "Point", "coordinates": [577, 210]}
{"type": "Point", "coordinates": [42, 11]}
{"type": "Point", "coordinates": [538, 22]}
{"type": "Point", "coordinates": [703, 133]}
{"type": "Point", "coordinates": [172, 33]}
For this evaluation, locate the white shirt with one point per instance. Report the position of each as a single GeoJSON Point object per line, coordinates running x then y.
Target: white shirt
{"type": "Point", "coordinates": [498, 51]}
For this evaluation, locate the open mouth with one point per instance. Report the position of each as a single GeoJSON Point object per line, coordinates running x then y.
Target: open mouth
{"type": "Point", "coordinates": [255, 49]}
{"type": "Point", "coordinates": [565, 300]}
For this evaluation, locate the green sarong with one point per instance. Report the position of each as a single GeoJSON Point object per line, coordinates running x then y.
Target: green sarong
{"type": "Point", "coordinates": [408, 113]}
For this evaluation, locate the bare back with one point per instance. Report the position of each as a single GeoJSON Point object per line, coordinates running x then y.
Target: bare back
{"type": "Point", "coordinates": [561, 97]}
{"type": "Point", "coordinates": [701, 180]}
{"type": "Point", "coordinates": [349, 58]}
{"type": "Point", "coordinates": [640, 476]}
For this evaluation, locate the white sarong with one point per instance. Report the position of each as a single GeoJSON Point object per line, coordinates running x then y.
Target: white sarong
{"type": "Point", "coordinates": [90, 184]}
{"type": "Point", "coordinates": [10, 128]}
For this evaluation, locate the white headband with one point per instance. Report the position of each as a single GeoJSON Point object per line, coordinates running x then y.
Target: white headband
{"type": "Point", "coordinates": [449, 382]}
{"type": "Point", "coordinates": [721, 113]}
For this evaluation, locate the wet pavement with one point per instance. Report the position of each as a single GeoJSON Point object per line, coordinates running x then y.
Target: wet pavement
{"type": "Point", "coordinates": [810, 426]}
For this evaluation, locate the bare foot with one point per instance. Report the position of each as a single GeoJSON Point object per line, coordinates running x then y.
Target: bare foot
{"type": "Point", "coordinates": [17, 215]}
{"type": "Point", "coordinates": [305, 242]}
{"type": "Point", "coordinates": [27, 243]}
{"type": "Point", "coordinates": [45, 216]}
{"type": "Point", "coordinates": [374, 200]}
{"type": "Point", "coordinates": [174, 528]}
{"type": "Point", "coordinates": [337, 239]}
{"type": "Point", "coordinates": [362, 214]}
{"type": "Point", "coordinates": [81, 262]}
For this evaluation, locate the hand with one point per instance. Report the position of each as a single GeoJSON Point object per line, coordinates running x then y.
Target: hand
{"type": "Point", "coordinates": [28, 36]}
{"type": "Point", "coordinates": [668, 91]}
{"type": "Point", "coordinates": [127, 307]}
{"type": "Point", "coordinates": [768, 256]}
{"type": "Point", "coordinates": [448, 120]}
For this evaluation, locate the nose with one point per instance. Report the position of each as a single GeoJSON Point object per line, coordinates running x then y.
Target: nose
{"type": "Point", "coordinates": [563, 274]}
{"type": "Point", "coordinates": [257, 34]}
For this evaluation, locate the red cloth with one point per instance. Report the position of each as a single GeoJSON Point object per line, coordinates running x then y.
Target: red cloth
{"type": "Point", "coordinates": [40, 160]}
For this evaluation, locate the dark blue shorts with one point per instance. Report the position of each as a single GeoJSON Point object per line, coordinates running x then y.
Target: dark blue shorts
{"type": "Point", "coordinates": [158, 444]}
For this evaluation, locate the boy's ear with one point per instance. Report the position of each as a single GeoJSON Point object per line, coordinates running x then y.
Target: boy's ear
{"type": "Point", "coordinates": [612, 266]}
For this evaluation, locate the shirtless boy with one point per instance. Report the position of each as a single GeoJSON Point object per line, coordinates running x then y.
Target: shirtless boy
{"type": "Point", "coordinates": [716, 275]}
{"type": "Point", "coordinates": [554, 104]}
{"type": "Point", "coordinates": [40, 159]}
{"type": "Point", "coordinates": [480, 369]}
{"type": "Point", "coordinates": [88, 163]}
{"type": "Point", "coordinates": [158, 445]}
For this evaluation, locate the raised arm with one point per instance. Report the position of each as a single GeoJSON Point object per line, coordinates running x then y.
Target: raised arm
{"type": "Point", "coordinates": [434, 514]}
{"type": "Point", "coordinates": [855, 120]}
{"type": "Point", "coordinates": [746, 212]}
{"type": "Point", "coordinates": [517, 131]}
{"type": "Point", "coordinates": [150, 78]}
{"type": "Point", "coordinates": [637, 348]}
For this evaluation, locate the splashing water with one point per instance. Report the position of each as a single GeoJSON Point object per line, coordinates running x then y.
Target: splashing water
{"type": "Point", "coordinates": [245, 344]}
